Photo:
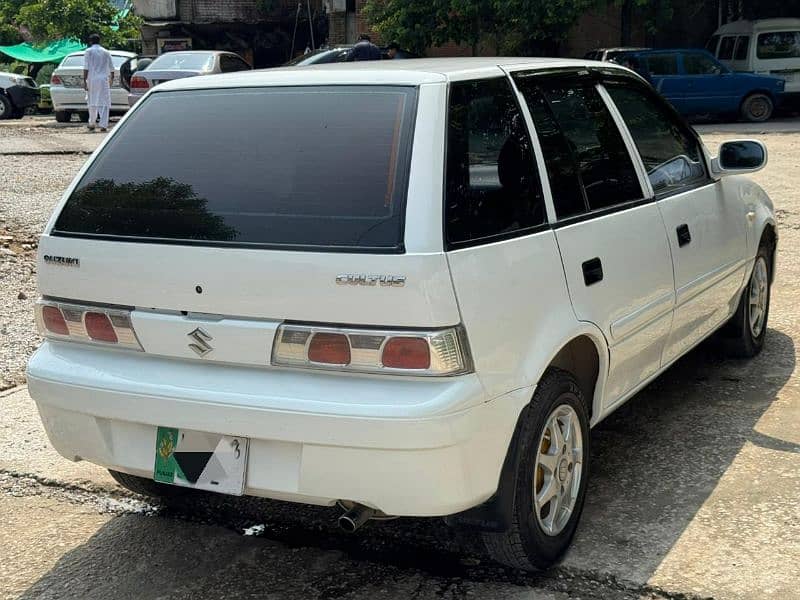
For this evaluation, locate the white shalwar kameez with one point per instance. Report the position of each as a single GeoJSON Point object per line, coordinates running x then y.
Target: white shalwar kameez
{"type": "Point", "coordinates": [97, 63]}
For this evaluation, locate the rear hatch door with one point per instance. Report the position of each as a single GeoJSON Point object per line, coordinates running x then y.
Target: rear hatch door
{"type": "Point", "coordinates": [237, 209]}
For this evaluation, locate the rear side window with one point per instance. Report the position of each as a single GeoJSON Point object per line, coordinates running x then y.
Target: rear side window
{"type": "Point", "coordinates": [493, 189]}
{"type": "Point", "coordinates": [576, 127]}
{"type": "Point", "coordinates": [670, 153]}
{"type": "Point", "coordinates": [229, 64]}
{"type": "Point", "coordinates": [726, 48]}
{"type": "Point", "coordinates": [711, 44]}
{"type": "Point", "coordinates": [700, 64]}
{"type": "Point", "coordinates": [778, 44]}
{"type": "Point", "coordinates": [662, 64]}
{"type": "Point", "coordinates": [742, 46]}
{"type": "Point", "coordinates": [289, 167]}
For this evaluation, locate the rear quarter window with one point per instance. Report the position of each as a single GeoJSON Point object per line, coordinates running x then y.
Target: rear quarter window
{"type": "Point", "coordinates": [778, 44]}
{"type": "Point", "coordinates": [287, 167]}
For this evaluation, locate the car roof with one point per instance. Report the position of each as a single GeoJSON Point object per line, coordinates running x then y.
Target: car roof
{"type": "Point", "coordinates": [668, 50]}
{"type": "Point", "coordinates": [389, 72]}
{"type": "Point", "coordinates": [756, 26]}
{"type": "Point", "coordinates": [113, 52]}
{"type": "Point", "coordinates": [196, 52]}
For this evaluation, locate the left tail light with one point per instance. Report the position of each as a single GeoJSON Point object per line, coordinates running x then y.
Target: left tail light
{"type": "Point", "coordinates": [439, 352]}
{"type": "Point", "coordinates": [107, 326]}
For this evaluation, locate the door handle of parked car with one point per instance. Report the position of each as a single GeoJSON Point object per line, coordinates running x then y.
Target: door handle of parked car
{"type": "Point", "coordinates": [684, 235]}
{"type": "Point", "coordinates": [592, 271]}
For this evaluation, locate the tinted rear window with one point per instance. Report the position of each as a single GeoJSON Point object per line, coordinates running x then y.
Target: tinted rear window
{"type": "Point", "coordinates": [183, 61]}
{"type": "Point", "coordinates": [77, 61]}
{"type": "Point", "coordinates": [289, 167]}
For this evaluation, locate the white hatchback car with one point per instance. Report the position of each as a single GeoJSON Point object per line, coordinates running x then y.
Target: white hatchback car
{"type": "Point", "coordinates": [409, 288]}
{"type": "Point", "coordinates": [69, 95]}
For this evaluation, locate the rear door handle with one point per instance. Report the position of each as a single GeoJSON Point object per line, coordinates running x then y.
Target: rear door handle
{"type": "Point", "coordinates": [592, 271]}
{"type": "Point", "coordinates": [684, 235]}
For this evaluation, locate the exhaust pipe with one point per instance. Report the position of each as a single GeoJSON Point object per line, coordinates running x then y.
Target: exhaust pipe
{"type": "Point", "coordinates": [354, 518]}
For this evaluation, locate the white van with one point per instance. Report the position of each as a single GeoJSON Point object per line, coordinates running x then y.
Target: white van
{"type": "Point", "coordinates": [410, 288]}
{"type": "Point", "coordinates": [768, 46]}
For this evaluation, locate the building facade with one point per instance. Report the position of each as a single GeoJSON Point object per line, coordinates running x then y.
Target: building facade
{"type": "Point", "coordinates": [266, 33]}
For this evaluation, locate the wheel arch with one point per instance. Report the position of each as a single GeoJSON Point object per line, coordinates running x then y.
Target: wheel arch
{"type": "Point", "coordinates": [584, 354]}
{"type": "Point", "coordinates": [769, 236]}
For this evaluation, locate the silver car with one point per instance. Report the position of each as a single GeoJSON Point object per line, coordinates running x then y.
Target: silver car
{"type": "Point", "coordinates": [69, 95]}
{"type": "Point", "coordinates": [177, 65]}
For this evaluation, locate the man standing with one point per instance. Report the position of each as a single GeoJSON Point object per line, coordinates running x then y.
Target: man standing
{"type": "Point", "coordinates": [98, 75]}
{"type": "Point", "coordinates": [364, 50]}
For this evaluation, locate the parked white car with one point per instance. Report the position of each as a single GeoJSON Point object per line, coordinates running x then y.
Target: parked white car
{"type": "Point", "coordinates": [69, 95]}
{"type": "Point", "coordinates": [410, 288]}
{"type": "Point", "coordinates": [766, 46]}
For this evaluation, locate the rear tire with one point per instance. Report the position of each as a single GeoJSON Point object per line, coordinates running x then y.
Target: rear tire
{"type": "Point", "coordinates": [757, 108]}
{"type": "Point", "coordinates": [63, 116]}
{"type": "Point", "coordinates": [746, 330]}
{"type": "Point", "coordinates": [83, 117]}
{"type": "Point", "coordinates": [6, 110]}
{"type": "Point", "coordinates": [148, 487]}
{"type": "Point", "coordinates": [537, 537]}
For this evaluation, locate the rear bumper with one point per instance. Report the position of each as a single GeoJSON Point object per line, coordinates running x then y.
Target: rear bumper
{"type": "Point", "coordinates": [406, 447]}
{"type": "Point", "coordinates": [73, 98]}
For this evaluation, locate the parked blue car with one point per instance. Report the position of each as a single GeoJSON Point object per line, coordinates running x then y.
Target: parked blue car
{"type": "Point", "coordinates": [697, 84]}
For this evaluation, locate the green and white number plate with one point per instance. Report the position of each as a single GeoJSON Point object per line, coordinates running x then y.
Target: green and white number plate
{"type": "Point", "coordinates": [204, 461]}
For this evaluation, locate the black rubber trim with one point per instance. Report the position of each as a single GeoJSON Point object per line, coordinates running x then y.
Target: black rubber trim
{"type": "Point", "coordinates": [517, 233]}
{"type": "Point", "coordinates": [234, 245]}
{"type": "Point", "coordinates": [596, 214]}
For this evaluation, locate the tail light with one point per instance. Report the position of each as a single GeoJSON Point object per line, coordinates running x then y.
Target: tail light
{"type": "Point", "coordinates": [439, 352]}
{"type": "Point", "coordinates": [139, 83]}
{"type": "Point", "coordinates": [56, 80]}
{"type": "Point", "coordinates": [90, 324]}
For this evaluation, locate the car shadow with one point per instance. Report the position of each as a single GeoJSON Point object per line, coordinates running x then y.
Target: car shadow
{"type": "Point", "coordinates": [654, 464]}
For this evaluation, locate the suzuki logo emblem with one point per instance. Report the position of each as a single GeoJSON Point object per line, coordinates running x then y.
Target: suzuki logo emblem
{"type": "Point", "coordinates": [201, 338]}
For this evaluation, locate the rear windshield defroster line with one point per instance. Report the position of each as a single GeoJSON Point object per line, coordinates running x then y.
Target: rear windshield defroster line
{"type": "Point", "coordinates": [311, 168]}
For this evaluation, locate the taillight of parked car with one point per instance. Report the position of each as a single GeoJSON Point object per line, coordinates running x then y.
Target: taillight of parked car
{"type": "Point", "coordinates": [439, 352]}
{"type": "Point", "coordinates": [89, 324]}
{"type": "Point", "coordinates": [56, 80]}
{"type": "Point", "coordinates": [139, 83]}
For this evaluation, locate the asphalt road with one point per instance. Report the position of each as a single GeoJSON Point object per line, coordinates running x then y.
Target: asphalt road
{"type": "Point", "coordinates": [695, 491]}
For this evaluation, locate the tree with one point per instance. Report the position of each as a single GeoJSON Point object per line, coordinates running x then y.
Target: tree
{"type": "Point", "coordinates": [508, 26]}
{"type": "Point", "coordinates": [53, 19]}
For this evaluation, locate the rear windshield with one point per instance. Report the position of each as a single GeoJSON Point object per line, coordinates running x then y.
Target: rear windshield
{"type": "Point", "coordinates": [182, 61]}
{"type": "Point", "coordinates": [77, 61]}
{"type": "Point", "coordinates": [288, 167]}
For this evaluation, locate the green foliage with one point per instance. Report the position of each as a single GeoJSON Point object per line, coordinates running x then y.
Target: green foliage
{"type": "Point", "coordinates": [507, 26]}
{"type": "Point", "coordinates": [49, 20]}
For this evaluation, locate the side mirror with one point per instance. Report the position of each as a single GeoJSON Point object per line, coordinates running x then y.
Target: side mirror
{"type": "Point", "coordinates": [740, 156]}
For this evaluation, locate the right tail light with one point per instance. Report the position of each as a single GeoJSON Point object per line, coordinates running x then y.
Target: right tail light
{"type": "Point", "coordinates": [439, 352]}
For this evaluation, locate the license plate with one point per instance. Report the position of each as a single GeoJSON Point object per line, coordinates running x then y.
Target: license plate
{"type": "Point", "coordinates": [203, 461]}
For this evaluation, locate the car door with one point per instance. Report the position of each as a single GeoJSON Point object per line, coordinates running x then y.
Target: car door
{"type": "Point", "coordinates": [710, 87]}
{"type": "Point", "coordinates": [706, 232]}
{"type": "Point", "coordinates": [611, 236]}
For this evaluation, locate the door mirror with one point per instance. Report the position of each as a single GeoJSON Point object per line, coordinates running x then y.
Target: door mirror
{"type": "Point", "coordinates": [740, 156]}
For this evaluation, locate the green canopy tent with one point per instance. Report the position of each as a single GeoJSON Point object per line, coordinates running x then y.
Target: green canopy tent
{"type": "Point", "coordinates": [53, 52]}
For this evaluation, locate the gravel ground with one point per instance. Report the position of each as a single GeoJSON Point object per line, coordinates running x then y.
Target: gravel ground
{"type": "Point", "coordinates": [32, 186]}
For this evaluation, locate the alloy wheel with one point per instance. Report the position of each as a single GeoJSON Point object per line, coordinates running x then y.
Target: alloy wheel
{"type": "Point", "coordinates": [758, 296]}
{"type": "Point", "coordinates": [558, 467]}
